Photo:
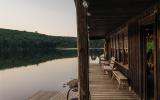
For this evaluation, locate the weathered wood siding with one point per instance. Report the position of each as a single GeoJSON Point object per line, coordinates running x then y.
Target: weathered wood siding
{"type": "Point", "coordinates": [135, 65]}
{"type": "Point", "coordinates": [136, 48]}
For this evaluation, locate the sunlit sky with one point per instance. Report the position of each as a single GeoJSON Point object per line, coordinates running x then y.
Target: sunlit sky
{"type": "Point", "coordinates": [51, 17]}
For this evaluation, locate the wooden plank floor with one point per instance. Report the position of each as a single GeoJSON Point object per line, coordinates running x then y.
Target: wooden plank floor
{"type": "Point", "coordinates": [103, 88]}
{"type": "Point", "coordinates": [50, 95]}
{"type": "Point", "coordinates": [42, 95]}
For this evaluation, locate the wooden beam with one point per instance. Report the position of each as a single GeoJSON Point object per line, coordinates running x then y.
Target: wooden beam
{"type": "Point", "coordinates": [108, 15]}
{"type": "Point", "coordinates": [83, 58]}
{"type": "Point", "coordinates": [120, 2]}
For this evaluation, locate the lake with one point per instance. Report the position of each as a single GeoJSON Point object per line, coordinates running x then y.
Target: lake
{"type": "Point", "coordinates": [22, 75]}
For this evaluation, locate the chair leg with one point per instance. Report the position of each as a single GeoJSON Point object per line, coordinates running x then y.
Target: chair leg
{"type": "Point", "coordinates": [119, 86]}
{"type": "Point", "coordinates": [113, 76]}
{"type": "Point", "coordinates": [110, 74]}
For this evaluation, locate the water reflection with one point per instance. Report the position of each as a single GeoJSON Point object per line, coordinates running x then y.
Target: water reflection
{"type": "Point", "coordinates": [21, 82]}
{"type": "Point", "coordinates": [29, 72]}
{"type": "Point", "coordinates": [25, 58]}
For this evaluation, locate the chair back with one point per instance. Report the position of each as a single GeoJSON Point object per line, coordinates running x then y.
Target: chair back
{"type": "Point", "coordinates": [112, 62]}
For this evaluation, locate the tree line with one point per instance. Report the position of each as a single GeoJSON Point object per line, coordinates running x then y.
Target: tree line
{"type": "Point", "coordinates": [23, 40]}
{"type": "Point", "coordinates": [14, 40]}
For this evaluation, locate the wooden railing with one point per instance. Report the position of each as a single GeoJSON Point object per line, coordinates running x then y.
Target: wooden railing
{"type": "Point", "coordinates": [122, 65]}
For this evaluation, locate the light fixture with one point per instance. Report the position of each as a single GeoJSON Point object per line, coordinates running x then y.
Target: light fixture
{"type": "Point", "coordinates": [88, 14]}
{"type": "Point", "coordinates": [85, 4]}
{"type": "Point", "coordinates": [88, 27]}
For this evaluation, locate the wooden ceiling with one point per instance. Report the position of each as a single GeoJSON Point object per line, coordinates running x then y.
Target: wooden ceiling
{"type": "Point", "coordinates": [107, 15]}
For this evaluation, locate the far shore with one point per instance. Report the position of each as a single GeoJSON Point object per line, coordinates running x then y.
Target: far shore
{"type": "Point", "coordinates": [66, 48]}
{"type": "Point", "coordinates": [75, 48]}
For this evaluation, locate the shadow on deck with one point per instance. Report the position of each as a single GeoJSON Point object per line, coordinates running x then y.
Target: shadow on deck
{"type": "Point", "coordinates": [103, 88]}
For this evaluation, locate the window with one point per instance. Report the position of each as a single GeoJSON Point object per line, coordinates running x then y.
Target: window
{"type": "Point", "coordinates": [111, 46]}
{"type": "Point", "coordinates": [125, 49]}
{"type": "Point", "coordinates": [121, 48]}
{"type": "Point", "coordinates": [117, 48]}
{"type": "Point", "coordinates": [113, 49]}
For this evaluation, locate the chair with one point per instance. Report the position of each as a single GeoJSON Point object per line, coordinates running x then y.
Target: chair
{"type": "Point", "coordinates": [108, 68]}
{"type": "Point", "coordinates": [102, 60]}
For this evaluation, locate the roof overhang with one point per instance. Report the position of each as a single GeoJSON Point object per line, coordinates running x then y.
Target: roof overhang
{"type": "Point", "coordinates": [106, 15]}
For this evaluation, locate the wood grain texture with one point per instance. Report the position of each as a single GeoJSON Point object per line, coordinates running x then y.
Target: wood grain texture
{"type": "Point", "coordinates": [103, 88]}
{"type": "Point", "coordinates": [51, 95]}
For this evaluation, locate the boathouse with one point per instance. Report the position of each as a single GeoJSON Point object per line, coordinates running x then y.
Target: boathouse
{"type": "Point", "coordinates": [131, 29]}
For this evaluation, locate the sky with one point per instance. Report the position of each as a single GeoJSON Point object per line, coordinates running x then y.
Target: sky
{"type": "Point", "coordinates": [51, 17]}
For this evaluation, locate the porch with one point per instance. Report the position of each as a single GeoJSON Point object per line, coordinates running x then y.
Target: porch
{"type": "Point", "coordinates": [103, 88]}
{"type": "Point", "coordinates": [131, 32]}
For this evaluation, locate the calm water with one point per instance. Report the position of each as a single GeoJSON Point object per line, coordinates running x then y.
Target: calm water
{"type": "Point", "coordinates": [22, 82]}
{"type": "Point", "coordinates": [23, 74]}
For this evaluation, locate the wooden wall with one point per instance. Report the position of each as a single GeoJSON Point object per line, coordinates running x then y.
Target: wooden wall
{"type": "Point", "coordinates": [135, 58]}
{"type": "Point", "coordinates": [136, 67]}
{"type": "Point", "coordinates": [132, 66]}
{"type": "Point", "coordinates": [135, 55]}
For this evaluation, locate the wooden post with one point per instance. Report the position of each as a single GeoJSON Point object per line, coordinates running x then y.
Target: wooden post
{"type": "Point", "coordinates": [83, 58]}
{"type": "Point", "coordinates": [107, 48]}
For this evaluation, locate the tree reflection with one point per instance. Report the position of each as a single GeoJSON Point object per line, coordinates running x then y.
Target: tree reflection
{"type": "Point", "coordinates": [94, 53]}
{"type": "Point", "coordinates": [30, 57]}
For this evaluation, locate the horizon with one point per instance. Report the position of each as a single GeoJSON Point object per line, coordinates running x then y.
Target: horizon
{"type": "Point", "coordinates": [37, 32]}
{"type": "Point", "coordinates": [50, 17]}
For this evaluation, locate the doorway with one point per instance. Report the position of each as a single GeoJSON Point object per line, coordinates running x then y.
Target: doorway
{"type": "Point", "coordinates": [149, 60]}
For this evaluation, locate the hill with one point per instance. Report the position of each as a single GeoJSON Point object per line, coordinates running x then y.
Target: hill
{"type": "Point", "coordinates": [20, 40]}
{"type": "Point", "coordinates": [11, 40]}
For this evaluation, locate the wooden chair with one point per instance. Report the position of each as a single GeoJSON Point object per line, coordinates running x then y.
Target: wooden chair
{"type": "Point", "coordinates": [102, 60]}
{"type": "Point", "coordinates": [122, 79]}
{"type": "Point", "coordinates": [108, 68]}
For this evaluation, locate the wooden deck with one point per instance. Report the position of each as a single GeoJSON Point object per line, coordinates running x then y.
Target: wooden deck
{"type": "Point", "coordinates": [103, 88]}
{"type": "Point", "coordinates": [50, 95]}
{"type": "Point", "coordinates": [42, 95]}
